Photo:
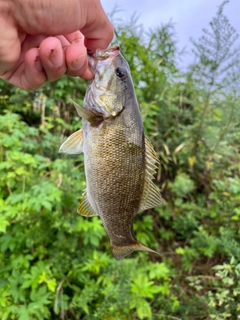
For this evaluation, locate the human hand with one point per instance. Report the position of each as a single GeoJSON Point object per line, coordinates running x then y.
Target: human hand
{"type": "Point", "coordinates": [43, 39]}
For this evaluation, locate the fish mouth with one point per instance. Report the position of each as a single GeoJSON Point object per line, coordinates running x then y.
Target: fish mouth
{"type": "Point", "coordinates": [104, 54]}
{"type": "Point", "coordinates": [99, 54]}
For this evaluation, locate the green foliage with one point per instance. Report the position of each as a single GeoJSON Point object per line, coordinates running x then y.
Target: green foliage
{"type": "Point", "coordinates": [55, 264]}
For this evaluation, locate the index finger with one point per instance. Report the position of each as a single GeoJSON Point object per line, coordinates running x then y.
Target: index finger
{"type": "Point", "coordinates": [98, 30]}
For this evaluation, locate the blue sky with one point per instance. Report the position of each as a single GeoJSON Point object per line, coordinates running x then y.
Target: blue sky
{"type": "Point", "coordinates": [189, 16]}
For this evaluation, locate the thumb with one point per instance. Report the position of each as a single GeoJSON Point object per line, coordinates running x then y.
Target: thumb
{"type": "Point", "coordinates": [98, 31]}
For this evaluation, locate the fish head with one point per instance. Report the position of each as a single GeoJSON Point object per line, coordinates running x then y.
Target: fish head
{"type": "Point", "coordinates": [112, 84]}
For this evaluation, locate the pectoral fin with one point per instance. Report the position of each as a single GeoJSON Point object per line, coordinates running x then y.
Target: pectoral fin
{"type": "Point", "coordinates": [73, 144]}
{"type": "Point", "coordinates": [86, 114]}
{"type": "Point", "coordinates": [85, 209]}
{"type": "Point", "coordinates": [151, 194]}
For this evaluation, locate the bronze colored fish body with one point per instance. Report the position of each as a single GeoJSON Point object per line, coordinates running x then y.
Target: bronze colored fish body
{"type": "Point", "coordinates": [119, 160]}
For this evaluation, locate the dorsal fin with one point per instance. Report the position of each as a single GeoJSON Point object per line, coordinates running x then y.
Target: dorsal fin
{"type": "Point", "coordinates": [151, 196]}
{"type": "Point", "coordinates": [73, 144]}
{"type": "Point", "coordinates": [85, 209]}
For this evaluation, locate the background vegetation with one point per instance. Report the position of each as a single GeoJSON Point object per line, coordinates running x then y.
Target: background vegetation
{"type": "Point", "coordinates": [55, 264]}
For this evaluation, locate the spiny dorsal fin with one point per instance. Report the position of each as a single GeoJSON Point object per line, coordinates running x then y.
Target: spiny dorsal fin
{"type": "Point", "coordinates": [85, 209]}
{"type": "Point", "coordinates": [151, 194]}
{"type": "Point", "coordinates": [73, 144]}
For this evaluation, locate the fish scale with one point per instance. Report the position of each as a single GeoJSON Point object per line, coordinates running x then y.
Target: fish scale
{"type": "Point", "coordinates": [114, 200]}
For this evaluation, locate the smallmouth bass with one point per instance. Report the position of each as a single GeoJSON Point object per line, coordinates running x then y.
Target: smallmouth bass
{"type": "Point", "coordinates": [119, 160]}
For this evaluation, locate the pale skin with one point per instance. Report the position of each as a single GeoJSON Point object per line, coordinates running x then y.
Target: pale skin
{"type": "Point", "coordinates": [43, 39]}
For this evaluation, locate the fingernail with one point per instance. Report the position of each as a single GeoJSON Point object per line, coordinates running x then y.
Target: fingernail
{"type": "Point", "coordinates": [38, 64]}
{"type": "Point", "coordinates": [56, 56]}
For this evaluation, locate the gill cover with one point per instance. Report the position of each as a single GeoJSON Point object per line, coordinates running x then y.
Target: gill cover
{"type": "Point", "coordinates": [110, 85]}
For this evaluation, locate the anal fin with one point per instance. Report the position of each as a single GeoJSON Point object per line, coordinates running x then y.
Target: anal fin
{"type": "Point", "coordinates": [85, 209]}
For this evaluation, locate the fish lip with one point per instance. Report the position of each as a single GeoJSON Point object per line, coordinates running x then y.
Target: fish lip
{"type": "Point", "coordinates": [101, 54]}
{"type": "Point", "coordinates": [104, 54]}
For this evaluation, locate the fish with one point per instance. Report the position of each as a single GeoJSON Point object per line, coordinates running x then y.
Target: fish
{"type": "Point", "coordinates": [119, 160]}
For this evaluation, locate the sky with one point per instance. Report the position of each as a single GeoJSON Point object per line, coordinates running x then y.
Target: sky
{"type": "Point", "coordinates": [189, 16]}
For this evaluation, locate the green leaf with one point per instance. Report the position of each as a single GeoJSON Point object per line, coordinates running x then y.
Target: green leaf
{"type": "Point", "coordinates": [4, 223]}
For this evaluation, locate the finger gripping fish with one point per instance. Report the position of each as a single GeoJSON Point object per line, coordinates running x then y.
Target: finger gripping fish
{"type": "Point", "coordinates": [119, 160]}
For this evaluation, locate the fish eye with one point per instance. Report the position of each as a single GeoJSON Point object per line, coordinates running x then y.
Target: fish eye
{"type": "Point", "coordinates": [120, 72]}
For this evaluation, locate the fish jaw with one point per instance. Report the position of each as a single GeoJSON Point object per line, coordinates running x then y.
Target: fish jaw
{"type": "Point", "coordinates": [99, 54]}
{"type": "Point", "coordinates": [96, 57]}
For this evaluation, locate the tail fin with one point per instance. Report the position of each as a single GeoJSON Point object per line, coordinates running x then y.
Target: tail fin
{"type": "Point", "coordinates": [119, 252]}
